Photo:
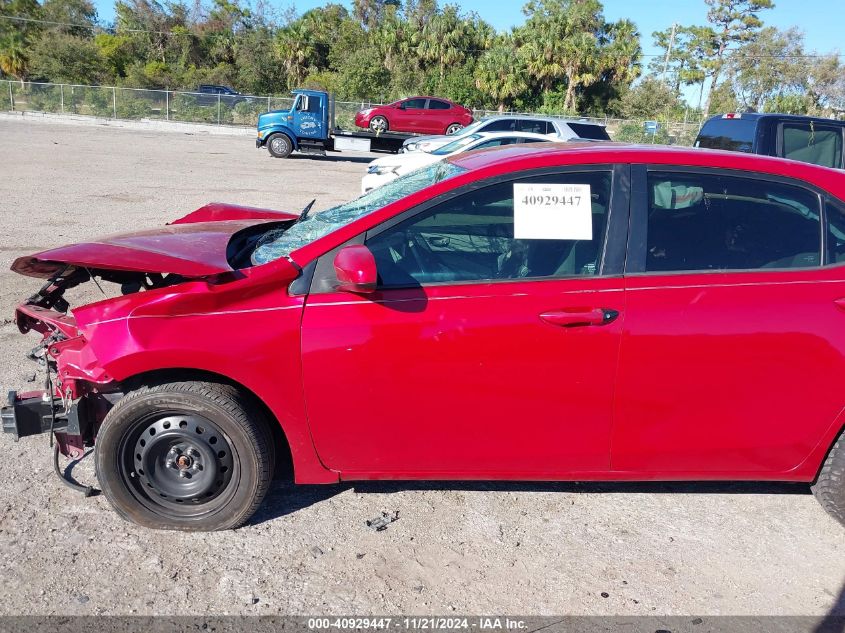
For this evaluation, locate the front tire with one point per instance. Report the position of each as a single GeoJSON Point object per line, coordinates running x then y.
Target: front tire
{"type": "Point", "coordinates": [193, 456]}
{"type": "Point", "coordinates": [829, 487]}
{"type": "Point", "coordinates": [279, 145]}
{"type": "Point", "coordinates": [379, 124]}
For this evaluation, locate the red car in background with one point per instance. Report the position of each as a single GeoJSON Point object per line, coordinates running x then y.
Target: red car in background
{"type": "Point", "coordinates": [537, 312]}
{"type": "Point", "coordinates": [422, 115]}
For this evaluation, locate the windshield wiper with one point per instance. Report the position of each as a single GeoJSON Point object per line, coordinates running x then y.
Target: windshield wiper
{"type": "Point", "coordinates": [304, 213]}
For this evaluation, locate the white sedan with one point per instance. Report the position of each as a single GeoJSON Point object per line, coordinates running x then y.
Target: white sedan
{"type": "Point", "coordinates": [383, 170]}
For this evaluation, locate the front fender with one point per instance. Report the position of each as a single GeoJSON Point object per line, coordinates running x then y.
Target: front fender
{"type": "Point", "coordinates": [246, 334]}
{"type": "Point", "coordinates": [265, 133]}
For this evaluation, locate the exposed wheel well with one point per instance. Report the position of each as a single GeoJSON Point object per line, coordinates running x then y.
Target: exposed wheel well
{"type": "Point", "coordinates": [284, 460]}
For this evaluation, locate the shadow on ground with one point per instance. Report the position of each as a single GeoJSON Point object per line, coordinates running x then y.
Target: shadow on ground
{"type": "Point", "coordinates": [285, 497]}
{"type": "Point", "coordinates": [333, 158]}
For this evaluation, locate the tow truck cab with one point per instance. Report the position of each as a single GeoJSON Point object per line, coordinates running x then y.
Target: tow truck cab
{"type": "Point", "coordinates": [807, 139]}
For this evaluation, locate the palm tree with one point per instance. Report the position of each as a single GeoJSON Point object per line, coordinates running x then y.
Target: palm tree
{"type": "Point", "coordinates": [295, 46]}
{"type": "Point", "coordinates": [501, 74]}
{"type": "Point", "coordinates": [621, 54]}
{"type": "Point", "coordinates": [13, 58]}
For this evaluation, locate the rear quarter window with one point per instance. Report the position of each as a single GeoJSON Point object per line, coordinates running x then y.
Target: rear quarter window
{"type": "Point", "coordinates": [736, 135]}
{"type": "Point", "coordinates": [593, 132]}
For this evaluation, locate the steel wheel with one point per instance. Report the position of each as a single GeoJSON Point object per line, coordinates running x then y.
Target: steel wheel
{"type": "Point", "coordinates": [178, 465]}
{"type": "Point", "coordinates": [454, 128]}
{"type": "Point", "coordinates": [379, 124]}
{"type": "Point", "coordinates": [185, 455]}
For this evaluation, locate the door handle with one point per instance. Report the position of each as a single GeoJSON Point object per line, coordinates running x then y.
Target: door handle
{"type": "Point", "coordinates": [576, 318]}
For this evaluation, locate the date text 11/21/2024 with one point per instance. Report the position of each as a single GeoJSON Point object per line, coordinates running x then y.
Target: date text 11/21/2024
{"type": "Point", "coordinates": [420, 623]}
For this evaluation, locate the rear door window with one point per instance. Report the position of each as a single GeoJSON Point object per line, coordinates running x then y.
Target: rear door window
{"type": "Point", "coordinates": [533, 126]}
{"type": "Point", "coordinates": [501, 125]}
{"type": "Point", "coordinates": [813, 143]}
{"type": "Point", "coordinates": [736, 135]}
{"type": "Point", "coordinates": [711, 222]}
{"type": "Point", "coordinates": [434, 104]}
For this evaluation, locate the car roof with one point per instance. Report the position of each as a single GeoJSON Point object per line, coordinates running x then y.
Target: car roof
{"type": "Point", "coordinates": [757, 116]}
{"type": "Point", "coordinates": [425, 97]}
{"type": "Point", "coordinates": [552, 154]}
{"type": "Point", "coordinates": [489, 135]}
{"type": "Point", "coordinates": [539, 117]}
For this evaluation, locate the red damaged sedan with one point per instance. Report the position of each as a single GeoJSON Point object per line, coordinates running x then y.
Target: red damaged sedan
{"type": "Point", "coordinates": [423, 115]}
{"type": "Point", "coordinates": [537, 312]}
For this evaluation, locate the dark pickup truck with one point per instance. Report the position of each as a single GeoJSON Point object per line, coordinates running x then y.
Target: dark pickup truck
{"type": "Point", "coordinates": [807, 139]}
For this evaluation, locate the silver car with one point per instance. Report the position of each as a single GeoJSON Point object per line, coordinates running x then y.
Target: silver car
{"type": "Point", "coordinates": [553, 127]}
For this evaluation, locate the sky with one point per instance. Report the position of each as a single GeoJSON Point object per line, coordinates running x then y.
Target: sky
{"type": "Point", "coordinates": [821, 20]}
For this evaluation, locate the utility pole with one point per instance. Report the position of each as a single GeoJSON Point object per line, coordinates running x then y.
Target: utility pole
{"type": "Point", "coordinates": [669, 52]}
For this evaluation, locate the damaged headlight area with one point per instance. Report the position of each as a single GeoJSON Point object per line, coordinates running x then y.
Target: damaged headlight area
{"type": "Point", "coordinates": [77, 392]}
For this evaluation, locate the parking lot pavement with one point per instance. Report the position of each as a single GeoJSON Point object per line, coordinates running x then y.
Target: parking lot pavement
{"type": "Point", "coordinates": [456, 548]}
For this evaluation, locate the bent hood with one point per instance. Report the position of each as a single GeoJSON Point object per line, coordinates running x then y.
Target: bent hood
{"type": "Point", "coordinates": [188, 250]}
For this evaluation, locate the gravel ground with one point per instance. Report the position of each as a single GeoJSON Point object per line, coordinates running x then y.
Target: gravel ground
{"type": "Point", "coordinates": [466, 548]}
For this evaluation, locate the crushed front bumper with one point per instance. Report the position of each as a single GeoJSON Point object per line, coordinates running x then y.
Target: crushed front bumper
{"type": "Point", "coordinates": [74, 424]}
{"type": "Point", "coordinates": [31, 413]}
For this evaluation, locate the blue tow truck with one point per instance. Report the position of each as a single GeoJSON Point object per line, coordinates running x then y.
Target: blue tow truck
{"type": "Point", "coordinates": [309, 127]}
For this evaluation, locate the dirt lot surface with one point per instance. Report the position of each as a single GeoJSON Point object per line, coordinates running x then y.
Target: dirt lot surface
{"type": "Point", "coordinates": [465, 548]}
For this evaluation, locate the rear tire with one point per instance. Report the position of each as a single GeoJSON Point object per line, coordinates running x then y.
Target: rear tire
{"type": "Point", "coordinates": [192, 456]}
{"type": "Point", "coordinates": [829, 487]}
{"type": "Point", "coordinates": [379, 124]}
{"type": "Point", "coordinates": [279, 145]}
{"type": "Point", "coordinates": [454, 128]}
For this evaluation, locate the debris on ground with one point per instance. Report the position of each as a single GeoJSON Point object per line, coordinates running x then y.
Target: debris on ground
{"type": "Point", "coordinates": [379, 524]}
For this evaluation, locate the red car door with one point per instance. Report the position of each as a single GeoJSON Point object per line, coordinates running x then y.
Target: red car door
{"type": "Point", "coordinates": [409, 117]}
{"type": "Point", "coordinates": [734, 341]}
{"type": "Point", "coordinates": [480, 355]}
{"type": "Point", "coordinates": [439, 115]}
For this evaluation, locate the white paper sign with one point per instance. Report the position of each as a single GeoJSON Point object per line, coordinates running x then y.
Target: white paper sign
{"type": "Point", "coordinates": [552, 212]}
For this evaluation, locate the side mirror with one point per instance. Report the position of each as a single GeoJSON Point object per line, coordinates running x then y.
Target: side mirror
{"type": "Point", "coordinates": [356, 269]}
{"type": "Point", "coordinates": [401, 106]}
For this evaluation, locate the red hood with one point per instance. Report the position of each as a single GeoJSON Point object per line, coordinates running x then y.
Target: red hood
{"type": "Point", "coordinates": [189, 250]}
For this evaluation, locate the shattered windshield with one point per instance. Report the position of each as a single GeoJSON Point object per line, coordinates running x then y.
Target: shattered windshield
{"type": "Point", "coordinates": [282, 242]}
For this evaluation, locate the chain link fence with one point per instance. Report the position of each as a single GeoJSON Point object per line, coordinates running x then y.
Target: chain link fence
{"type": "Point", "coordinates": [194, 107]}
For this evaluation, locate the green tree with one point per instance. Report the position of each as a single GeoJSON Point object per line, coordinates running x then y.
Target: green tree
{"type": "Point", "coordinates": [363, 75]}
{"type": "Point", "coordinates": [568, 43]}
{"type": "Point", "coordinates": [297, 51]}
{"type": "Point", "coordinates": [735, 22]}
{"type": "Point", "coordinates": [503, 87]}
{"type": "Point", "coordinates": [79, 17]}
{"type": "Point", "coordinates": [651, 99]}
{"type": "Point", "coordinates": [65, 58]}
{"type": "Point", "coordinates": [769, 67]}
{"type": "Point", "coordinates": [688, 53]}
{"type": "Point", "coordinates": [17, 37]}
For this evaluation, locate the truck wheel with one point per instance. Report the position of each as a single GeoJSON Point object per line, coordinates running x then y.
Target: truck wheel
{"type": "Point", "coordinates": [192, 456]}
{"type": "Point", "coordinates": [379, 124]}
{"type": "Point", "coordinates": [279, 145]}
{"type": "Point", "coordinates": [454, 128]}
{"type": "Point", "coordinates": [829, 488]}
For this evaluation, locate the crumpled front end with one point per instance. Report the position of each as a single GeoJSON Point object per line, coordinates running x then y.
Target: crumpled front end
{"type": "Point", "coordinates": [77, 391]}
